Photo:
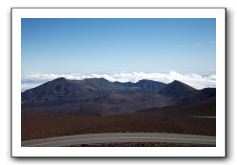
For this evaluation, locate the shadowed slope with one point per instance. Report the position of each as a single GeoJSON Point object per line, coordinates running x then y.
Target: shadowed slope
{"type": "Point", "coordinates": [98, 96]}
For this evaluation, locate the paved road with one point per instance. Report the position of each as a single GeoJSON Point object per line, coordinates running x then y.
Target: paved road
{"type": "Point", "coordinates": [207, 117]}
{"type": "Point", "coordinates": [119, 137]}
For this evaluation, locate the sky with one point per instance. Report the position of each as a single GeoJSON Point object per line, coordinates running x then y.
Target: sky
{"type": "Point", "coordinates": [85, 45]}
{"type": "Point", "coordinates": [108, 46]}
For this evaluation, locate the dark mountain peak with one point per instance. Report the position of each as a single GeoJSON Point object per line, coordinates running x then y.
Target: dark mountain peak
{"type": "Point", "coordinates": [146, 80]}
{"type": "Point", "coordinates": [96, 80]}
{"type": "Point", "coordinates": [144, 83]}
{"type": "Point", "coordinates": [180, 84]}
{"type": "Point", "coordinates": [64, 89]}
{"type": "Point", "coordinates": [49, 91]}
{"type": "Point", "coordinates": [177, 89]}
{"type": "Point", "coordinates": [98, 84]}
{"type": "Point", "coordinates": [149, 81]}
{"type": "Point", "coordinates": [176, 82]}
{"type": "Point", "coordinates": [59, 80]}
{"type": "Point", "coordinates": [125, 84]}
{"type": "Point", "coordinates": [151, 84]}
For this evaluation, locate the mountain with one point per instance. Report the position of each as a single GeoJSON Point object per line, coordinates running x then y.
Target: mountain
{"type": "Point", "coordinates": [185, 94]}
{"type": "Point", "coordinates": [51, 90]}
{"type": "Point", "coordinates": [62, 88]}
{"type": "Point", "coordinates": [125, 84]}
{"type": "Point", "coordinates": [98, 96]}
{"type": "Point", "coordinates": [146, 84]}
{"type": "Point", "coordinates": [177, 89]}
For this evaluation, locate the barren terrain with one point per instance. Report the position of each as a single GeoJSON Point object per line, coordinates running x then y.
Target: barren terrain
{"type": "Point", "coordinates": [176, 119]}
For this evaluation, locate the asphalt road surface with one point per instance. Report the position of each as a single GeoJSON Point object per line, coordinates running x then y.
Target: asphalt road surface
{"type": "Point", "coordinates": [119, 137]}
{"type": "Point", "coordinates": [207, 117]}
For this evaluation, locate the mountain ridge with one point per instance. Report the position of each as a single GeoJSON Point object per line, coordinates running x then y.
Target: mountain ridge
{"type": "Point", "coordinates": [144, 83]}
{"type": "Point", "coordinates": [100, 96]}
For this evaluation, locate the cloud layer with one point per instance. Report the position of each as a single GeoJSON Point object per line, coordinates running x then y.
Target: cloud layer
{"type": "Point", "coordinates": [194, 80]}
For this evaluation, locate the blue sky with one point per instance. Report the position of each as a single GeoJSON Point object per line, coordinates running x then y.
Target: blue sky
{"type": "Point", "coordinates": [118, 45]}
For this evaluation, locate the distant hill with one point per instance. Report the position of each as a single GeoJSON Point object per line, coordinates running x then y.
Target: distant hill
{"type": "Point", "coordinates": [177, 89]}
{"type": "Point", "coordinates": [62, 88]}
{"type": "Point", "coordinates": [146, 84]}
{"type": "Point", "coordinates": [98, 96]}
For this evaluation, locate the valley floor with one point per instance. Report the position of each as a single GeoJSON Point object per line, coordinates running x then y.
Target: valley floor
{"type": "Point", "coordinates": [194, 119]}
{"type": "Point", "coordinates": [44, 126]}
{"type": "Point", "coordinates": [36, 127]}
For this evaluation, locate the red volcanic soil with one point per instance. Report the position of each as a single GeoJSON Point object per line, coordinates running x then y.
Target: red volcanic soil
{"type": "Point", "coordinates": [170, 119]}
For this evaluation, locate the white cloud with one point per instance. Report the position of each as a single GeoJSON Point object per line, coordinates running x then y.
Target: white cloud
{"type": "Point", "coordinates": [28, 85]}
{"type": "Point", "coordinates": [194, 80]}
